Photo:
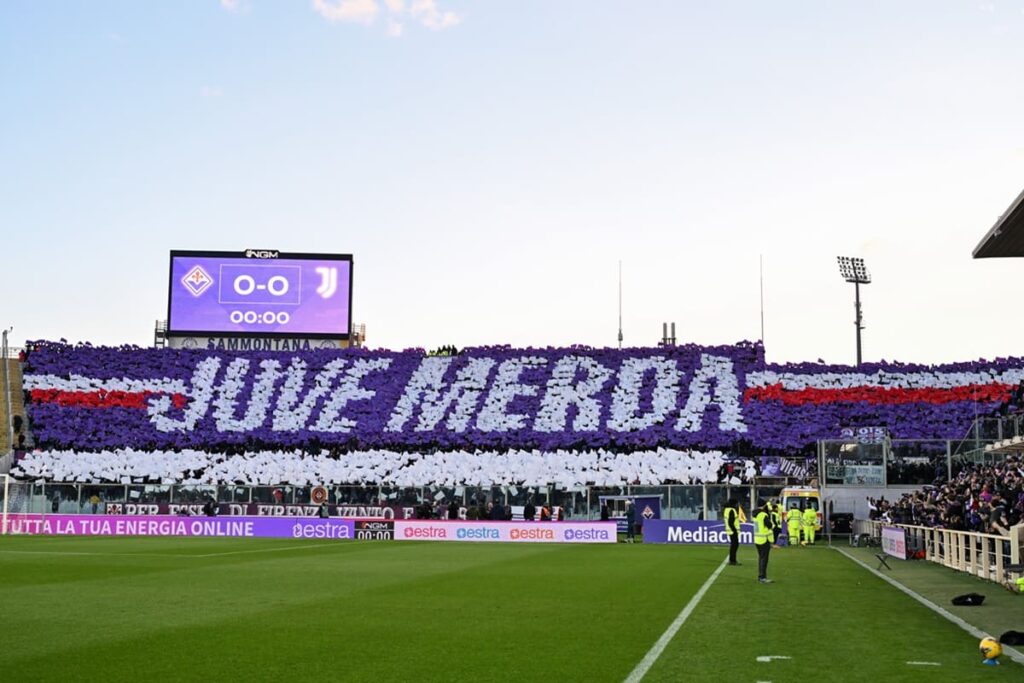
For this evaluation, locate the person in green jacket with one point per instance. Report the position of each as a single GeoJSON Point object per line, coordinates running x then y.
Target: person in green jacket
{"type": "Point", "coordinates": [762, 541]}
{"type": "Point", "coordinates": [794, 520]}
{"type": "Point", "coordinates": [810, 522]}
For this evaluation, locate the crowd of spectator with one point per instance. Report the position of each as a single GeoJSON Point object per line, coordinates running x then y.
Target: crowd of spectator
{"type": "Point", "coordinates": [447, 350]}
{"type": "Point", "coordinates": [985, 498]}
{"type": "Point", "coordinates": [490, 510]}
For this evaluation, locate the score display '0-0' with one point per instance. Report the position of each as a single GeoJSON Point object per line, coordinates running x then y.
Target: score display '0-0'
{"type": "Point", "coordinates": [278, 286]}
{"type": "Point", "coordinates": [244, 285]}
{"type": "Point", "coordinates": [274, 290]}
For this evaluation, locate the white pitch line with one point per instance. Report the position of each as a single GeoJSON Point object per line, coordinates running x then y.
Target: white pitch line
{"type": "Point", "coordinates": [925, 663]}
{"type": "Point", "coordinates": [1008, 651]}
{"type": "Point", "coordinates": [641, 669]}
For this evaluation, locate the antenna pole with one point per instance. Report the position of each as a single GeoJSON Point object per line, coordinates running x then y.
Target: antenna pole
{"type": "Point", "coordinates": [761, 260]}
{"type": "Point", "coordinates": [620, 304]}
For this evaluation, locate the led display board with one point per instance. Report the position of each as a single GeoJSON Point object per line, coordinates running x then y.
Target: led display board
{"type": "Point", "coordinates": [260, 292]}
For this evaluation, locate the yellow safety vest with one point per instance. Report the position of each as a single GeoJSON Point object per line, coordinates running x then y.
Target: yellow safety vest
{"type": "Point", "coordinates": [776, 516]}
{"type": "Point", "coordinates": [793, 516]}
{"type": "Point", "coordinates": [730, 519]}
{"type": "Point", "coordinates": [810, 517]}
{"type": "Point", "coordinates": [761, 530]}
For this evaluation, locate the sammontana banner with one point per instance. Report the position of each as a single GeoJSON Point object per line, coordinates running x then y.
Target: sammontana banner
{"type": "Point", "coordinates": [93, 398]}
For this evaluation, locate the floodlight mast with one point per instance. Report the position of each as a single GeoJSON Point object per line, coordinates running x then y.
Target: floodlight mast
{"type": "Point", "coordinates": [853, 270]}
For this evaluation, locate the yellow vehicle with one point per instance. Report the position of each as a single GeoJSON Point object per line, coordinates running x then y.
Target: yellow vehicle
{"type": "Point", "coordinates": [793, 496]}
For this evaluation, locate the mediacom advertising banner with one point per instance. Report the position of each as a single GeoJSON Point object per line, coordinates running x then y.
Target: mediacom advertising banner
{"type": "Point", "coordinates": [693, 532]}
{"type": "Point", "coordinates": [505, 532]}
{"type": "Point", "coordinates": [894, 541]}
{"type": "Point", "coordinates": [238, 527]}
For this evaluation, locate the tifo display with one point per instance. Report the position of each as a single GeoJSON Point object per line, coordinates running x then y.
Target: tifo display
{"type": "Point", "coordinates": [571, 469]}
{"type": "Point", "coordinates": [86, 398]}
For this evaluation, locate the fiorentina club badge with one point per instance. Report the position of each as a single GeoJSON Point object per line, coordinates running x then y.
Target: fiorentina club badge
{"type": "Point", "coordinates": [197, 281]}
{"type": "Point", "coordinates": [648, 513]}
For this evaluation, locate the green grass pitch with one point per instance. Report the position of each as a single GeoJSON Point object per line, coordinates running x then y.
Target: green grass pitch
{"type": "Point", "coordinates": [235, 610]}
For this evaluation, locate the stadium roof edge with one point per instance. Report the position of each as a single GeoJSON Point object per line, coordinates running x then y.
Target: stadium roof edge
{"type": "Point", "coordinates": [1006, 237]}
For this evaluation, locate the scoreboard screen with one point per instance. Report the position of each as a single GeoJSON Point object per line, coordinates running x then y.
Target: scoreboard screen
{"type": "Point", "coordinates": [260, 293]}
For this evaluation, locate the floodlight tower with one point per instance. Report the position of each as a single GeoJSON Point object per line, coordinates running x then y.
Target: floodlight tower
{"type": "Point", "coordinates": [853, 270]}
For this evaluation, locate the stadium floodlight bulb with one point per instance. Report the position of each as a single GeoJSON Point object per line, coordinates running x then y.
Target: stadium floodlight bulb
{"type": "Point", "coordinates": [853, 269]}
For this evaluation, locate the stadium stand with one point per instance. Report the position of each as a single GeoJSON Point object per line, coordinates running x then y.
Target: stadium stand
{"type": "Point", "coordinates": [18, 413]}
{"type": "Point", "coordinates": [97, 411]}
{"type": "Point", "coordinates": [986, 498]}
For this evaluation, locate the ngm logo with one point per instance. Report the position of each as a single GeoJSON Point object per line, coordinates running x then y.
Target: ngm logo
{"type": "Point", "coordinates": [261, 253]}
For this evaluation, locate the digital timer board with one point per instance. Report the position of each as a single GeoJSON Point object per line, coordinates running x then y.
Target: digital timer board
{"type": "Point", "coordinates": [260, 293]}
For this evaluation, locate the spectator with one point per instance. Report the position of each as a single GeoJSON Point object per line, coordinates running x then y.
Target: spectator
{"type": "Point", "coordinates": [986, 498]}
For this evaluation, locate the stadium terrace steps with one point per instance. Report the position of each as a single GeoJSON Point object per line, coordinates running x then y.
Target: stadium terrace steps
{"type": "Point", "coordinates": [17, 405]}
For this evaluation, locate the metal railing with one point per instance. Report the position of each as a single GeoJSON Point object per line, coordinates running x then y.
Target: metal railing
{"type": "Point", "coordinates": [677, 501]}
{"type": "Point", "coordinates": [4, 352]}
{"type": "Point", "coordinates": [986, 556]}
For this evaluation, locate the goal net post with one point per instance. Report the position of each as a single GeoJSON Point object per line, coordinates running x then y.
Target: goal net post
{"type": "Point", "coordinates": [16, 502]}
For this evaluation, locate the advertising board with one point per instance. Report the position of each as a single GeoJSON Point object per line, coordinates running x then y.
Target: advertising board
{"type": "Point", "coordinates": [259, 293]}
{"type": "Point", "coordinates": [234, 527]}
{"type": "Point", "coordinates": [505, 532]}
{"type": "Point", "coordinates": [894, 542]}
{"type": "Point", "coordinates": [693, 532]}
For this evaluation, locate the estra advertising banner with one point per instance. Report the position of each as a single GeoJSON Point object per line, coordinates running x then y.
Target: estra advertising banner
{"type": "Point", "coordinates": [505, 532]}
{"type": "Point", "coordinates": [693, 532]}
{"type": "Point", "coordinates": [235, 527]}
{"type": "Point", "coordinates": [894, 541]}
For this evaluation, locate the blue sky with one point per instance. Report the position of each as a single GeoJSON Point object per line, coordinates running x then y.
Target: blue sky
{"type": "Point", "coordinates": [489, 163]}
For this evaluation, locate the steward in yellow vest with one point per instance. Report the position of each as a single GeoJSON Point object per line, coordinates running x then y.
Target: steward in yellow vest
{"type": "Point", "coordinates": [732, 527]}
{"type": "Point", "coordinates": [763, 541]}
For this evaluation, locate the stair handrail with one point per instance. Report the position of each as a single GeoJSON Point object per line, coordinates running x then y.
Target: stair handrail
{"type": "Point", "coordinates": [7, 391]}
